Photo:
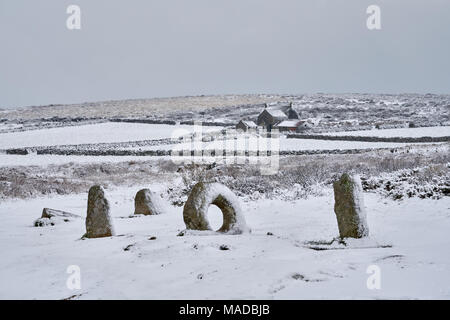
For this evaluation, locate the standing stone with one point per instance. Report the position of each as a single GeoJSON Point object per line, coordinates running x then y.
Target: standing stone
{"type": "Point", "coordinates": [98, 220]}
{"type": "Point", "coordinates": [147, 203]}
{"type": "Point", "coordinates": [195, 212]}
{"type": "Point", "coordinates": [50, 217]}
{"type": "Point", "coordinates": [52, 213]}
{"type": "Point", "coordinates": [349, 207]}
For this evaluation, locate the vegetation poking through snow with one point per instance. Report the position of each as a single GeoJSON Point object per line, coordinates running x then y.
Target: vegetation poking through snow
{"type": "Point", "coordinates": [299, 176]}
{"type": "Point", "coordinates": [426, 182]}
{"type": "Point", "coordinates": [304, 176]}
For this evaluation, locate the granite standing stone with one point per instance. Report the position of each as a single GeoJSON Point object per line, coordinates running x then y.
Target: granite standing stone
{"type": "Point", "coordinates": [98, 220]}
{"type": "Point", "coordinates": [349, 207]}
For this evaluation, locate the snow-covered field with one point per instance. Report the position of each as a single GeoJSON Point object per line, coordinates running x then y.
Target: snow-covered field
{"type": "Point", "coordinates": [256, 266]}
{"type": "Point", "coordinates": [8, 160]}
{"type": "Point", "coordinates": [443, 131]}
{"type": "Point", "coordinates": [92, 133]}
{"type": "Point", "coordinates": [284, 144]}
{"type": "Point", "coordinates": [309, 144]}
{"type": "Point", "coordinates": [126, 133]}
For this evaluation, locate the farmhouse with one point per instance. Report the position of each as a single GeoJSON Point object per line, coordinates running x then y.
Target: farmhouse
{"type": "Point", "coordinates": [289, 111]}
{"type": "Point", "coordinates": [282, 117]}
{"type": "Point", "coordinates": [294, 125]}
{"type": "Point", "coordinates": [289, 125]}
{"type": "Point", "coordinates": [245, 125]}
{"type": "Point", "coordinates": [270, 117]}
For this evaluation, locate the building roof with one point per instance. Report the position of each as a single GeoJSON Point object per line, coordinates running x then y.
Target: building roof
{"type": "Point", "coordinates": [276, 113]}
{"type": "Point", "coordinates": [249, 124]}
{"type": "Point", "coordinates": [289, 123]}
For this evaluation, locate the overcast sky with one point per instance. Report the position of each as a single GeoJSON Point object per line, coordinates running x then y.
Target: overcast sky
{"type": "Point", "coordinates": [158, 48]}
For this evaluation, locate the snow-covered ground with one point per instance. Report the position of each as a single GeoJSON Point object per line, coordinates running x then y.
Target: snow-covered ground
{"type": "Point", "coordinates": [7, 160]}
{"type": "Point", "coordinates": [92, 133]}
{"type": "Point", "coordinates": [285, 144]}
{"type": "Point", "coordinates": [408, 238]}
{"type": "Point", "coordinates": [256, 266]}
{"type": "Point", "coordinates": [309, 144]}
{"type": "Point", "coordinates": [443, 131]}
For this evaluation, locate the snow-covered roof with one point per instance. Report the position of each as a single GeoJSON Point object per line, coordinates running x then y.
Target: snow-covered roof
{"type": "Point", "coordinates": [249, 124]}
{"type": "Point", "coordinates": [289, 123]}
{"type": "Point", "coordinates": [276, 113]}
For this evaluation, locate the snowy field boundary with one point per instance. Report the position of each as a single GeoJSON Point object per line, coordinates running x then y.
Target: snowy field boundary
{"type": "Point", "coordinates": [52, 123]}
{"type": "Point", "coordinates": [370, 139]}
{"type": "Point", "coordinates": [77, 151]}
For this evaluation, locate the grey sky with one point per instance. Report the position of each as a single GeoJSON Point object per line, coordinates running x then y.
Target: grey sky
{"type": "Point", "coordinates": [156, 48]}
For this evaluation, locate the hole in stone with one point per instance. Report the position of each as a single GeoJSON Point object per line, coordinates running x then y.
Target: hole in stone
{"type": "Point", "coordinates": [215, 217]}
